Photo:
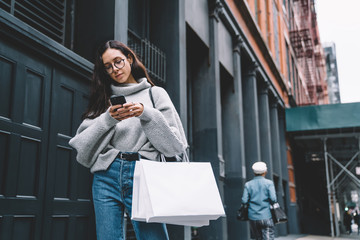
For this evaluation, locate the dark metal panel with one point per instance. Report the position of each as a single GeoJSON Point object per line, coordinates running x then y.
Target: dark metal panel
{"type": "Point", "coordinates": [59, 227]}
{"type": "Point", "coordinates": [83, 179]}
{"type": "Point", "coordinates": [62, 173]}
{"type": "Point", "coordinates": [40, 179]}
{"type": "Point", "coordinates": [23, 227]}
{"type": "Point", "coordinates": [69, 208]}
{"type": "Point", "coordinates": [5, 226]}
{"type": "Point", "coordinates": [26, 129]}
{"type": "Point", "coordinates": [34, 94]}
{"type": "Point", "coordinates": [28, 168]}
{"type": "Point", "coordinates": [11, 163]}
{"type": "Point", "coordinates": [83, 225]}
{"type": "Point", "coordinates": [18, 206]}
{"type": "Point", "coordinates": [4, 154]}
{"type": "Point", "coordinates": [1, 227]}
{"type": "Point", "coordinates": [66, 108]}
{"type": "Point", "coordinates": [6, 85]}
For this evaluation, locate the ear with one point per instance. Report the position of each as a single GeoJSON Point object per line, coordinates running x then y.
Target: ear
{"type": "Point", "coordinates": [130, 59]}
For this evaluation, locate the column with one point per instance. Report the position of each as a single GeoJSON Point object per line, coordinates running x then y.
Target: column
{"type": "Point", "coordinates": [285, 174]}
{"type": "Point", "coordinates": [121, 20]}
{"type": "Point", "coordinates": [283, 147]}
{"type": "Point", "coordinates": [264, 124]}
{"type": "Point", "coordinates": [211, 135]}
{"type": "Point", "coordinates": [251, 119]}
{"type": "Point", "coordinates": [275, 138]}
{"type": "Point", "coordinates": [276, 155]}
{"type": "Point", "coordinates": [235, 165]}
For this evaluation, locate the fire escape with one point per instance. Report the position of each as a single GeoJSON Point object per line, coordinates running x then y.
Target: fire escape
{"type": "Point", "coordinates": [305, 42]}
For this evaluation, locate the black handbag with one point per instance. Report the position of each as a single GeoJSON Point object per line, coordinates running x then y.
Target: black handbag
{"type": "Point", "coordinates": [278, 214]}
{"type": "Point", "coordinates": [242, 213]}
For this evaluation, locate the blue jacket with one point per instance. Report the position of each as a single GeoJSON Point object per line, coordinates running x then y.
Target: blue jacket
{"type": "Point", "coordinates": [259, 193]}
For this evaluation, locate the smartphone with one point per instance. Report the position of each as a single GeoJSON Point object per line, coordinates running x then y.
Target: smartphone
{"type": "Point", "coordinates": [117, 99]}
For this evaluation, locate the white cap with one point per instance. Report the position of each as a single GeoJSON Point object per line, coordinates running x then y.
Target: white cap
{"type": "Point", "coordinates": [259, 167]}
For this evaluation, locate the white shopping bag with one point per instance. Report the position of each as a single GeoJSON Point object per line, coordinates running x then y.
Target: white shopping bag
{"type": "Point", "coordinates": [182, 193]}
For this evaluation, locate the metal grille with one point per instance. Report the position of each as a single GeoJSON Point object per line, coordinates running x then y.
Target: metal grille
{"type": "Point", "coordinates": [46, 16]}
{"type": "Point", "coordinates": [5, 4]}
{"type": "Point", "coordinates": [151, 56]}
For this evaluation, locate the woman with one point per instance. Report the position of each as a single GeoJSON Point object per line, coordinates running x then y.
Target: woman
{"type": "Point", "coordinates": [111, 138]}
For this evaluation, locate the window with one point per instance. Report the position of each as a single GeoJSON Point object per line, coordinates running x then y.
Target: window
{"type": "Point", "coordinates": [267, 21]}
{"type": "Point", "coordinates": [284, 6]}
{"type": "Point", "coordinates": [288, 62]}
{"type": "Point", "coordinates": [256, 11]}
{"type": "Point", "coordinates": [294, 78]}
{"type": "Point", "coordinates": [276, 34]}
{"type": "Point", "coordinates": [52, 18]}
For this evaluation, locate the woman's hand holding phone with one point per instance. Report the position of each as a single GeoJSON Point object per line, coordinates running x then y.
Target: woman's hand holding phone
{"type": "Point", "coordinates": [121, 110]}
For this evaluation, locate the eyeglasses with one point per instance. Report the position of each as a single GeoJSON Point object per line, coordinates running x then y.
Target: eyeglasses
{"type": "Point", "coordinates": [119, 64]}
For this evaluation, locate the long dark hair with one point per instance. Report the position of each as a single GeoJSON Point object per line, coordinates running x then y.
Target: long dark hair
{"type": "Point", "coordinates": [101, 81]}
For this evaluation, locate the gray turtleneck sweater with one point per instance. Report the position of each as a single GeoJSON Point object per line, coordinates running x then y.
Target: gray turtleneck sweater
{"type": "Point", "coordinates": [156, 130]}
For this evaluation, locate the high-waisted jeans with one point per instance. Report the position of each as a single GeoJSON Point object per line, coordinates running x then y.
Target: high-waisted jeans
{"type": "Point", "coordinates": [112, 195]}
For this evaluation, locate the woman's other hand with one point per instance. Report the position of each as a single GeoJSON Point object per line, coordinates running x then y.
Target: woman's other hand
{"type": "Point", "coordinates": [125, 111]}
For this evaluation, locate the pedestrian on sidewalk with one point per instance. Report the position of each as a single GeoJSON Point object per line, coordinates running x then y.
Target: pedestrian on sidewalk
{"type": "Point", "coordinates": [347, 221]}
{"type": "Point", "coordinates": [259, 193]}
{"type": "Point", "coordinates": [113, 136]}
{"type": "Point", "coordinates": [357, 220]}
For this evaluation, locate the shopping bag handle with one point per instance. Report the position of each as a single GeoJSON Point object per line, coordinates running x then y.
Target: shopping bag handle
{"type": "Point", "coordinates": [185, 156]}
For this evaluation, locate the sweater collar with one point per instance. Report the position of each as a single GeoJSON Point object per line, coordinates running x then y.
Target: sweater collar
{"type": "Point", "coordinates": [130, 88]}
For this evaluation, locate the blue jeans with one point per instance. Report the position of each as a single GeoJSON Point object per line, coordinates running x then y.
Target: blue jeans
{"type": "Point", "coordinates": [112, 195]}
{"type": "Point", "coordinates": [263, 229]}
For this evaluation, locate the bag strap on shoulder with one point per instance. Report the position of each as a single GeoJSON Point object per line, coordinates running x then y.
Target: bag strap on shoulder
{"type": "Point", "coordinates": [151, 97]}
{"type": "Point", "coordinates": [185, 157]}
{"type": "Point", "coordinates": [162, 156]}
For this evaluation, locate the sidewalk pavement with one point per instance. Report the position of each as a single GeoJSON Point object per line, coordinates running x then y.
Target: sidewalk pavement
{"type": "Point", "coordinates": [315, 237]}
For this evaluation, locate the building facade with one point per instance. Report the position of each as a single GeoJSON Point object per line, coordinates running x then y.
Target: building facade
{"type": "Point", "coordinates": [332, 73]}
{"type": "Point", "coordinates": [307, 57]}
{"type": "Point", "coordinates": [230, 67]}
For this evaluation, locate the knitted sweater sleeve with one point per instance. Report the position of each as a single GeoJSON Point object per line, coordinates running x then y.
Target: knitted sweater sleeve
{"type": "Point", "coordinates": [162, 125]}
{"type": "Point", "coordinates": [92, 137]}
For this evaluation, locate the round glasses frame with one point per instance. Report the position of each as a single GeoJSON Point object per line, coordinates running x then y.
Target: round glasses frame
{"type": "Point", "coordinates": [119, 64]}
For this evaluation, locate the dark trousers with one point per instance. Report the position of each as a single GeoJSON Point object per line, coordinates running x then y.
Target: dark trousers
{"type": "Point", "coordinates": [262, 229]}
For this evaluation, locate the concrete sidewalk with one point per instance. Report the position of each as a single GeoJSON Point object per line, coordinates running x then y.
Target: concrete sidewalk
{"type": "Point", "coordinates": [315, 237]}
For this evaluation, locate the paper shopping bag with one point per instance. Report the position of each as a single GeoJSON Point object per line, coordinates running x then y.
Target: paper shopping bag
{"type": "Point", "coordinates": [183, 193]}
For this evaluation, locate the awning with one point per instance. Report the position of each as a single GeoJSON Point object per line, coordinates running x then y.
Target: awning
{"type": "Point", "coordinates": [323, 117]}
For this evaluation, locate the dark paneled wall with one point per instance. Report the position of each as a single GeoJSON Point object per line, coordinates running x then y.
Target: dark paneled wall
{"type": "Point", "coordinates": [44, 193]}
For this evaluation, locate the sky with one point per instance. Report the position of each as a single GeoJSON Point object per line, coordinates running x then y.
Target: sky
{"type": "Point", "coordinates": [339, 22]}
